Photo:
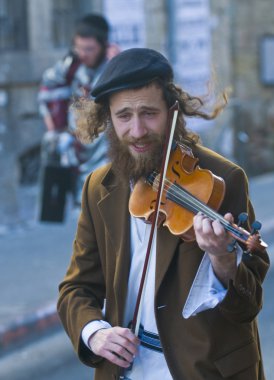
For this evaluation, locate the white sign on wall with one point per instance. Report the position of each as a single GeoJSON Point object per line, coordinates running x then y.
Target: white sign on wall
{"type": "Point", "coordinates": [266, 59]}
{"type": "Point", "coordinates": [127, 21]}
{"type": "Point", "coordinates": [191, 49]}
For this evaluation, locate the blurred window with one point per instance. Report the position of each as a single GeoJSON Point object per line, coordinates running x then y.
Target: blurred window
{"type": "Point", "coordinates": [13, 25]}
{"type": "Point", "coordinates": [65, 14]}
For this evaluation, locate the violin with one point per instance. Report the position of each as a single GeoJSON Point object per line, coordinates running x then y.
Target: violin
{"type": "Point", "coordinates": [188, 189]}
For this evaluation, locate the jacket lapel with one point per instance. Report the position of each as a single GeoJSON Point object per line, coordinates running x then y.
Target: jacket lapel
{"type": "Point", "coordinates": [166, 247]}
{"type": "Point", "coordinates": [114, 210]}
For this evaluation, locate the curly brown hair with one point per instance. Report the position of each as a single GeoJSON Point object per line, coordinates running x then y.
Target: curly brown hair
{"type": "Point", "coordinates": [93, 118]}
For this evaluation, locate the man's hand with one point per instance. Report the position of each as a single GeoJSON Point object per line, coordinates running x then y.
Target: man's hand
{"type": "Point", "coordinates": [211, 235]}
{"type": "Point", "coordinates": [117, 344]}
{"type": "Point", "coordinates": [213, 239]}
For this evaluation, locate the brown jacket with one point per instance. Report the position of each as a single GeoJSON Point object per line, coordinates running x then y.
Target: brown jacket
{"type": "Point", "coordinates": [220, 343]}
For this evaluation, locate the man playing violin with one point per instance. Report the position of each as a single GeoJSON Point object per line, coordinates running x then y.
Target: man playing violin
{"type": "Point", "coordinates": [197, 318]}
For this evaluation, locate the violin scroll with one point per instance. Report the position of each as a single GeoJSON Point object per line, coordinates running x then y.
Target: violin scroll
{"type": "Point", "coordinates": [255, 243]}
{"type": "Point", "coordinates": [252, 240]}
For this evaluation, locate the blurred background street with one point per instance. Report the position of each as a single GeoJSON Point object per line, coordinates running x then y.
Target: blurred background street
{"type": "Point", "coordinates": [228, 43]}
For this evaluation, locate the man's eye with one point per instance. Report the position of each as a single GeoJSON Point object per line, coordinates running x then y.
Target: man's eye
{"type": "Point", "coordinates": [150, 113]}
{"type": "Point", "coordinates": [124, 116]}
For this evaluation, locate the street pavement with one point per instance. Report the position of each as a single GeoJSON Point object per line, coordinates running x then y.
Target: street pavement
{"type": "Point", "coordinates": [33, 260]}
{"type": "Point", "coordinates": [48, 358]}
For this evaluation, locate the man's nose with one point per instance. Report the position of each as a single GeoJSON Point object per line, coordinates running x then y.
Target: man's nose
{"type": "Point", "coordinates": [138, 129]}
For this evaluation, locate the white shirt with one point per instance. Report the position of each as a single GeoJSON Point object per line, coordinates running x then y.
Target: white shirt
{"type": "Point", "coordinates": [146, 358]}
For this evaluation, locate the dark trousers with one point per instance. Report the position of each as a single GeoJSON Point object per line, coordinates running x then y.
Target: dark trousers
{"type": "Point", "coordinates": [56, 183]}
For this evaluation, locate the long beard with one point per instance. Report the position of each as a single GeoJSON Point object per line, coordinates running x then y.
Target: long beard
{"type": "Point", "coordinates": [125, 164]}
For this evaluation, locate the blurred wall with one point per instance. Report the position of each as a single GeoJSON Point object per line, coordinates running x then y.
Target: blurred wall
{"type": "Point", "coordinates": [240, 29]}
{"type": "Point", "coordinates": [251, 23]}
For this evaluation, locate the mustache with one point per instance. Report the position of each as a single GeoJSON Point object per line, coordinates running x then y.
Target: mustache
{"type": "Point", "coordinates": [152, 138]}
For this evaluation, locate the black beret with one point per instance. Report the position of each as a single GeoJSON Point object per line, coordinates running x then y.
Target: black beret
{"type": "Point", "coordinates": [131, 68]}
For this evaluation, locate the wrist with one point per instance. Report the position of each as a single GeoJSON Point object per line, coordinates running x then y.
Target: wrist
{"type": "Point", "coordinates": [224, 266]}
{"type": "Point", "coordinates": [91, 328]}
{"type": "Point", "coordinates": [90, 339]}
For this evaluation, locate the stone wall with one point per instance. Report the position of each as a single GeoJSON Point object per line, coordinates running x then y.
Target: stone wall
{"type": "Point", "coordinates": [156, 24]}
{"type": "Point", "coordinates": [237, 35]}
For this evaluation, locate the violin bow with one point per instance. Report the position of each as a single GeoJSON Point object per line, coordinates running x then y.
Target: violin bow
{"type": "Point", "coordinates": [167, 149]}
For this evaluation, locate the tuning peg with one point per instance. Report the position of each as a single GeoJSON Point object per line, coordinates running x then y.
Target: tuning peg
{"type": "Point", "coordinates": [256, 226]}
{"type": "Point", "coordinates": [242, 218]}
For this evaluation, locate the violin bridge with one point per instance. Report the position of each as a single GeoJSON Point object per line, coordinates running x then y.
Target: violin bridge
{"type": "Point", "coordinates": [153, 180]}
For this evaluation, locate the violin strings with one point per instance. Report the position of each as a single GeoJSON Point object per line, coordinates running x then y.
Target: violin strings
{"type": "Point", "coordinates": [195, 204]}
{"type": "Point", "coordinates": [181, 194]}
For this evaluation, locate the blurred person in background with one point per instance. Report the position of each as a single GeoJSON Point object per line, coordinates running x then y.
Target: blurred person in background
{"type": "Point", "coordinates": [203, 292]}
{"type": "Point", "coordinates": [64, 159]}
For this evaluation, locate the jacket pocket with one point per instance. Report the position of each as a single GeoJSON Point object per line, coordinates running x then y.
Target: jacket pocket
{"type": "Point", "coordinates": [238, 360]}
